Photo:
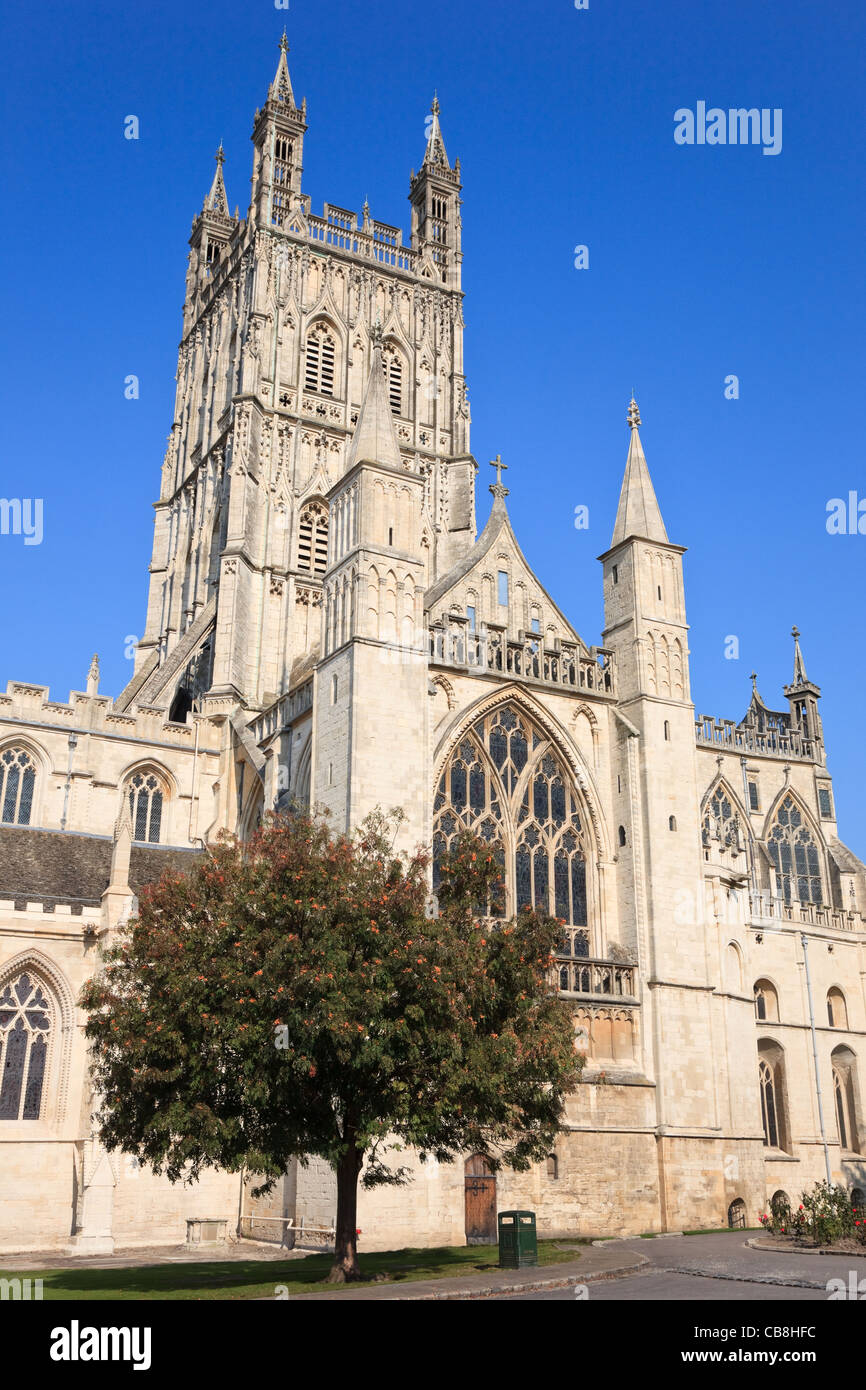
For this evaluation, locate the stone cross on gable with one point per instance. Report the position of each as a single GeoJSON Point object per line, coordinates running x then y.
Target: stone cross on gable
{"type": "Point", "coordinates": [498, 489]}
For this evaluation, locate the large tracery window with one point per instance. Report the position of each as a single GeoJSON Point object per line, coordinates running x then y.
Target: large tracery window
{"type": "Point", "coordinates": [722, 824]}
{"type": "Point", "coordinates": [505, 782]}
{"type": "Point", "coordinates": [17, 784]}
{"type": "Point", "coordinates": [25, 1029]}
{"type": "Point", "coordinates": [146, 797]}
{"type": "Point", "coordinates": [795, 854]}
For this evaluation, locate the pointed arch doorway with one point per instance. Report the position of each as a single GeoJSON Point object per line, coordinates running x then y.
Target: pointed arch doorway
{"type": "Point", "coordinates": [479, 1182]}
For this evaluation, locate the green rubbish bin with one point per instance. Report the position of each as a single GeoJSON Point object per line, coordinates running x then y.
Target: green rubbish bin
{"type": "Point", "coordinates": [518, 1239]}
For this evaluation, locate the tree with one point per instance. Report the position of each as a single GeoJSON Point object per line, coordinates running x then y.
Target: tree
{"type": "Point", "coordinates": [291, 997]}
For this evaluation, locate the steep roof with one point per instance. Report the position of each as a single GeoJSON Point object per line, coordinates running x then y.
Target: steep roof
{"type": "Point", "coordinates": [374, 440]}
{"type": "Point", "coordinates": [638, 513]}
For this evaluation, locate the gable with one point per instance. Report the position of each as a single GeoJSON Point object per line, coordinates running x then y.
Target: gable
{"type": "Point", "coordinates": [475, 583]}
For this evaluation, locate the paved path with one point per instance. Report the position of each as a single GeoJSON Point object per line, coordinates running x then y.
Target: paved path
{"type": "Point", "coordinates": [669, 1267]}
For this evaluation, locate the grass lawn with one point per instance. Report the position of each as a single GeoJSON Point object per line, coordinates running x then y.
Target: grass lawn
{"type": "Point", "coordinates": [258, 1278]}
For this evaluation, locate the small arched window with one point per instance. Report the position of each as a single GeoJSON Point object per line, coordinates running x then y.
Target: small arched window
{"type": "Point", "coordinates": [672, 822]}
{"type": "Point", "coordinates": [737, 1214]}
{"type": "Point", "coordinates": [17, 786]}
{"type": "Point", "coordinates": [622, 838]}
{"type": "Point", "coordinates": [667, 731]}
{"type": "Point", "coordinates": [25, 1031]}
{"type": "Point", "coordinates": [766, 1002]}
{"type": "Point", "coordinates": [146, 799]}
{"type": "Point", "coordinates": [837, 1010]}
{"type": "Point", "coordinates": [313, 538]}
{"type": "Point", "coordinates": [552, 1166]}
{"type": "Point", "coordinates": [320, 360]}
{"type": "Point", "coordinates": [780, 1206]}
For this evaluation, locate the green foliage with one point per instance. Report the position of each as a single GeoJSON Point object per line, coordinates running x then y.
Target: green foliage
{"type": "Point", "coordinates": [289, 997]}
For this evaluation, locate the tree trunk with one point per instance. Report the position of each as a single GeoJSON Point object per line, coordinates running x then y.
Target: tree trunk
{"type": "Point", "coordinates": [346, 1266]}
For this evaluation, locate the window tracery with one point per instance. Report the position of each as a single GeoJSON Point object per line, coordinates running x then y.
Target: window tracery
{"type": "Point", "coordinates": [505, 783]}
{"type": "Point", "coordinates": [722, 824]}
{"type": "Point", "coordinates": [795, 854]}
{"type": "Point", "coordinates": [25, 1030]}
{"type": "Point", "coordinates": [146, 798]}
{"type": "Point", "coordinates": [17, 786]}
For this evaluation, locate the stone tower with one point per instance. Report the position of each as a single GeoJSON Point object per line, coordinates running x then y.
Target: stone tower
{"type": "Point", "coordinates": [658, 802]}
{"type": "Point", "coordinates": [283, 316]}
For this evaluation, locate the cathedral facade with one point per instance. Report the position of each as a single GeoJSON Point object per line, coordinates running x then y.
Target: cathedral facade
{"type": "Point", "coordinates": [326, 625]}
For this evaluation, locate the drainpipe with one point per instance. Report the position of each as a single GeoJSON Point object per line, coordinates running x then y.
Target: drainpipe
{"type": "Point", "coordinates": [805, 941]}
{"type": "Point", "coordinates": [752, 866]}
{"type": "Point", "coordinates": [73, 744]}
{"type": "Point", "coordinates": [194, 791]}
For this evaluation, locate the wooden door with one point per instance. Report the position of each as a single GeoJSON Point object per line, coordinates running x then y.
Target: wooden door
{"type": "Point", "coordinates": [480, 1185]}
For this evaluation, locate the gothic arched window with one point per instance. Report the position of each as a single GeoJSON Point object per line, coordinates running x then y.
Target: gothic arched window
{"type": "Point", "coordinates": [766, 1001]}
{"type": "Point", "coordinates": [771, 1081]}
{"type": "Point", "coordinates": [844, 1064]}
{"type": "Point", "coordinates": [768, 1106]}
{"type": "Point", "coordinates": [505, 782]}
{"type": "Point", "coordinates": [17, 785]}
{"type": "Point", "coordinates": [837, 1012]}
{"type": "Point", "coordinates": [320, 360]}
{"type": "Point", "coordinates": [721, 823]}
{"type": "Point", "coordinates": [313, 538]}
{"type": "Point", "coordinates": [795, 854]}
{"type": "Point", "coordinates": [146, 795]}
{"type": "Point", "coordinates": [25, 1030]}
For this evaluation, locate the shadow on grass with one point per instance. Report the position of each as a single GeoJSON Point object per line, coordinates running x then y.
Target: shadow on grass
{"type": "Point", "coordinates": [249, 1279]}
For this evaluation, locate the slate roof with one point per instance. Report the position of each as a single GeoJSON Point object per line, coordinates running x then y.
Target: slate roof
{"type": "Point", "coordinates": [55, 866]}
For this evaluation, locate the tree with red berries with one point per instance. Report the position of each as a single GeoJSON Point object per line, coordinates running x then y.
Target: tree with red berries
{"type": "Point", "coordinates": [296, 996]}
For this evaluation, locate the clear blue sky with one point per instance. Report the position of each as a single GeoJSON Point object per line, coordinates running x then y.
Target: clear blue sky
{"type": "Point", "coordinates": [704, 261]}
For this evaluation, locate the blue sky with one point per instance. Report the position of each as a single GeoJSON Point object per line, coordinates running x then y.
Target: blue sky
{"type": "Point", "coordinates": [703, 262]}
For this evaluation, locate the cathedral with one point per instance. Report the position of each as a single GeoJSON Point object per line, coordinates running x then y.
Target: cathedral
{"type": "Point", "coordinates": [328, 624]}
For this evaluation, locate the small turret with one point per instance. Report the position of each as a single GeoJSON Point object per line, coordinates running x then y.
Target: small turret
{"type": "Point", "coordinates": [278, 137]}
{"type": "Point", "coordinates": [803, 696]}
{"type": "Point", "coordinates": [434, 193]}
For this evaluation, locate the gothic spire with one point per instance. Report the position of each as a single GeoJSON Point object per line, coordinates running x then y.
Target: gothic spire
{"type": "Point", "coordinates": [638, 513]}
{"type": "Point", "coordinates": [281, 87]}
{"type": "Point", "coordinates": [800, 677]}
{"type": "Point", "coordinates": [217, 199]}
{"type": "Point", "coordinates": [435, 152]}
{"type": "Point", "coordinates": [374, 440]}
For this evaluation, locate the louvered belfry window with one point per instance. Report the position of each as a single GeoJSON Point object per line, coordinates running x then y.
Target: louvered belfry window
{"type": "Point", "coordinates": [313, 539]}
{"type": "Point", "coordinates": [320, 360]}
{"type": "Point", "coordinates": [392, 365]}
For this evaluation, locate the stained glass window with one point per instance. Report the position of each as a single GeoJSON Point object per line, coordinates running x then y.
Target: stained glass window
{"type": "Point", "coordinates": [17, 784]}
{"type": "Point", "coordinates": [145, 806]}
{"type": "Point", "coordinates": [795, 854]}
{"type": "Point", "coordinates": [25, 1028]}
{"type": "Point", "coordinates": [506, 783]}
